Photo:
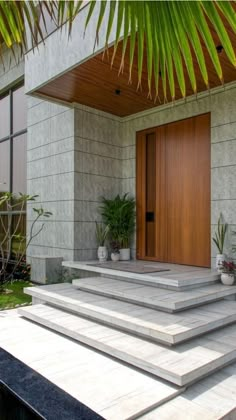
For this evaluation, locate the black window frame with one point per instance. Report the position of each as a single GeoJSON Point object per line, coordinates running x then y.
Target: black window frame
{"type": "Point", "coordinates": [11, 134]}
{"type": "Point", "coordinates": [10, 137]}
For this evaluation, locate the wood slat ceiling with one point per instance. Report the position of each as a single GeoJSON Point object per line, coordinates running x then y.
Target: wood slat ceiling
{"type": "Point", "coordinates": [94, 83]}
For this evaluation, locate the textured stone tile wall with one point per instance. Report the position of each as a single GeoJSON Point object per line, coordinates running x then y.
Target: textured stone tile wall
{"type": "Point", "coordinates": [98, 172]}
{"type": "Point", "coordinates": [77, 155]}
{"type": "Point", "coordinates": [222, 106]}
{"type": "Point", "coordinates": [50, 174]}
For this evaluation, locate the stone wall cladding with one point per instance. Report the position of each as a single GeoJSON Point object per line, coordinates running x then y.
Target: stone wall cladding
{"type": "Point", "coordinates": [50, 174]}
{"type": "Point", "coordinates": [222, 106]}
{"type": "Point", "coordinates": [77, 155]}
{"type": "Point", "coordinates": [98, 172]}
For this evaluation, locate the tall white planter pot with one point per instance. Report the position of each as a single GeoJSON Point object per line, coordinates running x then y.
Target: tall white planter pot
{"type": "Point", "coordinates": [102, 253]}
{"type": "Point", "coordinates": [124, 254]}
{"type": "Point", "coordinates": [219, 260]}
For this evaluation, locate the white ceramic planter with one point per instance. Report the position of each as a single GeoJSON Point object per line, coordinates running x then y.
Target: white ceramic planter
{"type": "Point", "coordinates": [102, 253]}
{"type": "Point", "coordinates": [125, 254]}
{"type": "Point", "coordinates": [115, 256]}
{"type": "Point", "coordinates": [219, 259]}
{"type": "Point", "coordinates": [227, 279]}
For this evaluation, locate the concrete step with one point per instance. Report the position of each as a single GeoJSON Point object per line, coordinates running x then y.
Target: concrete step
{"type": "Point", "coordinates": [182, 365]}
{"type": "Point", "coordinates": [154, 297]}
{"type": "Point", "coordinates": [112, 389]}
{"type": "Point", "coordinates": [173, 279]}
{"type": "Point", "coordinates": [152, 324]}
{"type": "Point", "coordinates": [212, 398]}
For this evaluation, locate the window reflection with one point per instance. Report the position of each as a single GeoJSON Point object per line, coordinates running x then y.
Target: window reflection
{"type": "Point", "coordinates": [13, 164]}
{"type": "Point", "coordinates": [19, 110]}
{"type": "Point", "coordinates": [4, 117]}
{"type": "Point", "coordinates": [5, 166]}
{"type": "Point", "coordinates": [19, 164]}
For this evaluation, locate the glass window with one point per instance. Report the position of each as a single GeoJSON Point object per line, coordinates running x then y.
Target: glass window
{"type": "Point", "coordinates": [19, 110]}
{"type": "Point", "coordinates": [19, 164]}
{"type": "Point", "coordinates": [5, 166]}
{"type": "Point", "coordinates": [13, 161]}
{"type": "Point", "coordinates": [4, 117]}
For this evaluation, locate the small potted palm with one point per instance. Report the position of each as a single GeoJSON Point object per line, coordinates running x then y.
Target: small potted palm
{"type": "Point", "coordinates": [101, 236]}
{"type": "Point", "coordinates": [219, 240]}
{"type": "Point", "coordinates": [119, 214]}
{"type": "Point", "coordinates": [228, 273]}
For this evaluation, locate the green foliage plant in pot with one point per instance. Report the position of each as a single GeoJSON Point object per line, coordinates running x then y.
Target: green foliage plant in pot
{"type": "Point", "coordinates": [119, 214]}
{"type": "Point", "coordinates": [219, 240]}
{"type": "Point", "coordinates": [115, 251]}
{"type": "Point", "coordinates": [101, 236]}
{"type": "Point", "coordinates": [228, 273]}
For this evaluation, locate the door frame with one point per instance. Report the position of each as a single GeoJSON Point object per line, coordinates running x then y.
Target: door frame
{"type": "Point", "coordinates": [141, 188]}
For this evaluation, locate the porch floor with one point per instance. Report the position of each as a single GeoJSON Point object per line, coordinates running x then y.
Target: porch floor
{"type": "Point", "coordinates": [105, 341]}
{"type": "Point", "coordinates": [176, 277]}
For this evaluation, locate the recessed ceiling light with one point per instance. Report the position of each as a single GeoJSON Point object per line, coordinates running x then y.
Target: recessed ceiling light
{"type": "Point", "coordinates": [219, 48]}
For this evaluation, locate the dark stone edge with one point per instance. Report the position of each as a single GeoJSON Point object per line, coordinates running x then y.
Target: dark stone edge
{"type": "Point", "coordinates": [47, 399]}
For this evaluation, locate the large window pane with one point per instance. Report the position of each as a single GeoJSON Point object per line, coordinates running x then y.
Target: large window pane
{"type": "Point", "coordinates": [5, 166]}
{"type": "Point", "coordinates": [4, 117]}
{"type": "Point", "coordinates": [19, 110]}
{"type": "Point", "coordinates": [19, 164]}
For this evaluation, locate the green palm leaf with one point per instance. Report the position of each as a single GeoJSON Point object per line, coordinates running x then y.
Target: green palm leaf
{"type": "Point", "coordinates": [167, 35]}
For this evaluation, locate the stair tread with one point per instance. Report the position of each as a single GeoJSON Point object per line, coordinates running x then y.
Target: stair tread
{"type": "Point", "coordinates": [176, 280]}
{"type": "Point", "coordinates": [109, 387]}
{"type": "Point", "coordinates": [181, 365]}
{"type": "Point", "coordinates": [151, 323]}
{"type": "Point", "coordinates": [155, 297]}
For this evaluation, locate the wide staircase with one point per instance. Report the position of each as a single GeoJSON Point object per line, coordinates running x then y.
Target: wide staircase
{"type": "Point", "coordinates": [178, 330]}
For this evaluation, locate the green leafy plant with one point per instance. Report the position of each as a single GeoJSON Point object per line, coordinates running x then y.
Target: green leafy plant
{"type": "Point", "coordinates": [11, 230]}
{"type": "Point", "coordinates": [101, 233]}
{"type": "Point", "coordinates": [219, 238]}
{"type": "Point", "coordinates": [119, 214]}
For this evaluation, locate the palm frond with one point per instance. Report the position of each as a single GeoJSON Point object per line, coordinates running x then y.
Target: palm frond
{"type": "Point", "coordinates": [167, 35]}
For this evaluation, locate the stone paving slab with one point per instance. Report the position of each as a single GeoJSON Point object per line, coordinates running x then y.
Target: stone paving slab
{"type": "Point", "coordinates": [110, 388]}
{"type": "Point", "coordinates": [181, 365]}
{"type": "Point", "coordinates": [177, 278]}
{"type": "Point", "coordinates": [154, 297]}
{"type": "Point", "coordinates": [152, 324]}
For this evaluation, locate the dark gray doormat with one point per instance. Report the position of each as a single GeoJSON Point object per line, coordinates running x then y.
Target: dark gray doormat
{"type": "Point", "coordinates": [129, 266]}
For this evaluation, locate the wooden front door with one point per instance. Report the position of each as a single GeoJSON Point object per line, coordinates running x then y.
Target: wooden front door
{"type": "Point", "coordinates": [173, 192]}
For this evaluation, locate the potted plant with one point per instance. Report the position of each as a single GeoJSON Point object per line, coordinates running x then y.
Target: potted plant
{"type": "Point", "coordinates": [219, 240]}
{"type": "Point", "coordinates": [119, 214]}
{"type": "Point", "coordinates": [101, 235]}
{"type": "Point", "coordinates": [228, 273]}
{"type": "Point", "coordinates": [115, 253]}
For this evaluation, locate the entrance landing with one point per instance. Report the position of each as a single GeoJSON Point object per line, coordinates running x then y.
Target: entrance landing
{"type": "Point", "coordinates": [174, 276]}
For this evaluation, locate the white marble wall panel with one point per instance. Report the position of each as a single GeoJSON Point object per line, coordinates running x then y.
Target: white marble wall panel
{"type": "Point", "coordinates": [50, 174]}
{"type": "Point", "coordinates": [51, 165]}
{"type": "Point", "coordinates": [223, 153]}
{"type": "Point", "coordinates": [81, 154]}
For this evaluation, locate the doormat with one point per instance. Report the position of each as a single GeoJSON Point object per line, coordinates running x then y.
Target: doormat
{"type": "Point", "coordinates": [130, 267]}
